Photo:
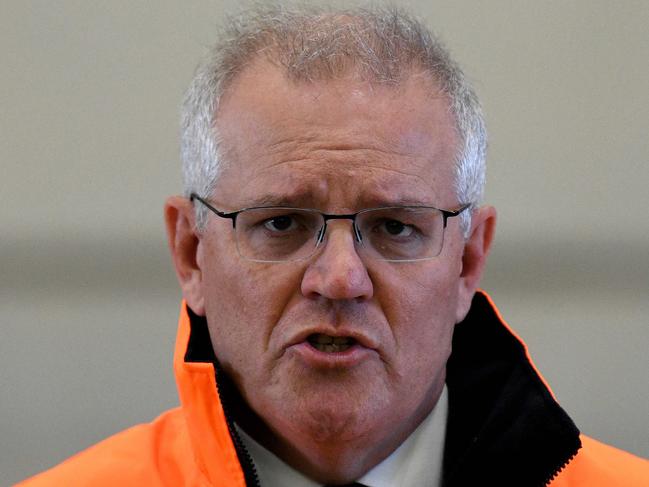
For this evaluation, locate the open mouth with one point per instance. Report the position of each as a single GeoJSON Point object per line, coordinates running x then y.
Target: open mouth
{"type": "Point", "coordinates": [330, 344]}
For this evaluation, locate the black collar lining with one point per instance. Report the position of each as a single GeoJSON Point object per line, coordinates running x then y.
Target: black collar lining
{"type": "Point", "coordinates": [504, 426]}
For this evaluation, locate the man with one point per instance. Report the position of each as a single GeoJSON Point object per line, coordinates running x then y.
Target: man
{"type": "Point", "coordinates": [329, 247]}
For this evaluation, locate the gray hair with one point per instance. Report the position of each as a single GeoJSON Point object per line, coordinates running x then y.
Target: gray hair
{"type": "Point", "coordinates": [311, 44]}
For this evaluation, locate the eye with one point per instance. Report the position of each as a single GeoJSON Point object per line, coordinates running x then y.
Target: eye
{"type": "Point", "coordinates": [396, 228]}
{"type": "Point", "coordinates": [280, 223]}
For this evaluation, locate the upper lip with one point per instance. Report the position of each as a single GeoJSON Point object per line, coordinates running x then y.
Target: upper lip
{"type": "Point", "coordinates": [358, 336]}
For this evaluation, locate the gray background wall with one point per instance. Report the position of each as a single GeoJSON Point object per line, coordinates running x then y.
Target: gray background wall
{"type": "Point", "coordinates": [89, 97]}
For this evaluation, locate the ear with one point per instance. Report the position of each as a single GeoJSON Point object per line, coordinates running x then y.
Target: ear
{"type": "Point", "coordinates": [476, 249]}
{"type": "Point", "coordinates": [184, 244]}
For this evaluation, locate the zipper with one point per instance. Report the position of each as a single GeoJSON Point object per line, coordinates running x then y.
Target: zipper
{"type": "Point", "coordinates": [560, 468]}
{"type": "Point", "coordinates": [245, 460]}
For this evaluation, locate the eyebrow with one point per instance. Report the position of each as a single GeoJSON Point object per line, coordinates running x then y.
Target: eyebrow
{"type": "Point", "coordinates": [379, 201]}
{"type": "Point", "coordinates": [277, 199]}
{"type": "Point", "coordinates": [304, 199]}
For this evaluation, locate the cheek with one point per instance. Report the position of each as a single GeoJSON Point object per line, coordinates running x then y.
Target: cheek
{"type": "Point", "coordinates": [243, 303]}
{"type": "Point", "coordinates": [421, 313]}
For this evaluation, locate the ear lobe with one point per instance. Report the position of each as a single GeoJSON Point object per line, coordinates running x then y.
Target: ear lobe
{"type": "Point", "coordinates": [476, 250]}
{"type": "Point", "coordinates": [184, 245]}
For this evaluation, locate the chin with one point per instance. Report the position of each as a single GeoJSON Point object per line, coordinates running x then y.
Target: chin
{"type": "Point", "coordinates": [344, 413]}
{"type": "Point", "coordinates": [333, 424]}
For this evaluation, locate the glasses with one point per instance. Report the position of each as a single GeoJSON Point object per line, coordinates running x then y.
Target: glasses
{"type": "Point", "coordinates": [394, 233]}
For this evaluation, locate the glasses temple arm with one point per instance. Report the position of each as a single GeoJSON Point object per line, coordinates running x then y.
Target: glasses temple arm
{"type": "Point", "coordinates": [231, 216]}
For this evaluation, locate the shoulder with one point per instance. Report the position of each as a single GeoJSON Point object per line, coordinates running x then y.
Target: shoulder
{"type": "Point", "coordinates": [597, 464]}
{"type": "Point", "coordinates": [154, 453]}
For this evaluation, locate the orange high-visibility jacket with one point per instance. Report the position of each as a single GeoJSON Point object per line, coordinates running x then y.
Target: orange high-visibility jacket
{"type": "Point", "coordinates": [504, 427]}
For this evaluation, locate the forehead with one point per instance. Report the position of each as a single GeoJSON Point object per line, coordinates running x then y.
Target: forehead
{"type": "Point", "coordinates": [342, 143]}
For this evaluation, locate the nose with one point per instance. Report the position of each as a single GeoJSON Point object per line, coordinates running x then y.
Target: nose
{"type": "Point", "coordinates": [337, 271]}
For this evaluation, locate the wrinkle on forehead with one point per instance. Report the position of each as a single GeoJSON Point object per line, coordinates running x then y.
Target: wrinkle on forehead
{"type": "Point", "coordinates": [323, 186]}
{"type": "Point", "coordinates": [338, 183]}
{"type": "Point", "coordinates": [344, 154]}
{"type": "Point", "coordinates": [291, 139]}
{"type": "Point", "coordinates": [312, 145]}
{"type": "Point", "coordinates": [329, 136]}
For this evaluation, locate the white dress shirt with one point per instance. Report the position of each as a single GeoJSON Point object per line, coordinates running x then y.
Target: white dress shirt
{"type": "Point", "coordinates": [417, 462]}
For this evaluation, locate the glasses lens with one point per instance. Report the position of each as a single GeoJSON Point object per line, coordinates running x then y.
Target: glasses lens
{"type": "Point", "coordinates": [277, 234]}
{"type": "Point", "coordinates": [402, 233]}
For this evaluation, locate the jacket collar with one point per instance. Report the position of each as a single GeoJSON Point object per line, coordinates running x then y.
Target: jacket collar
{"type": "Point", "coordinates": [194, 360]}
{"type": "Point", "coordinates": [504, 426]}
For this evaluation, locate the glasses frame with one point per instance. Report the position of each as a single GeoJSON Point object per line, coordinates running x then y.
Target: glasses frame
{"type": "Point", "coordinates": [446, 214]}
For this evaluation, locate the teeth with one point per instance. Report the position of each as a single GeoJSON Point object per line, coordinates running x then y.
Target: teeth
{"type": "Point", "coordinates": [330, 348]}
{"type": "Point", "coordinates": [329, 344]}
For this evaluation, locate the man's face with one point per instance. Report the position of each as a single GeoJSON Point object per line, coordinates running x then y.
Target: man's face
{"type": "Point", "coordinates": [339, 147]}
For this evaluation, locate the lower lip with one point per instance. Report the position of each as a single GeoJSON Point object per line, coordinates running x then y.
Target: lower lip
{"type": "Point", "coordinates": [354, 355]}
